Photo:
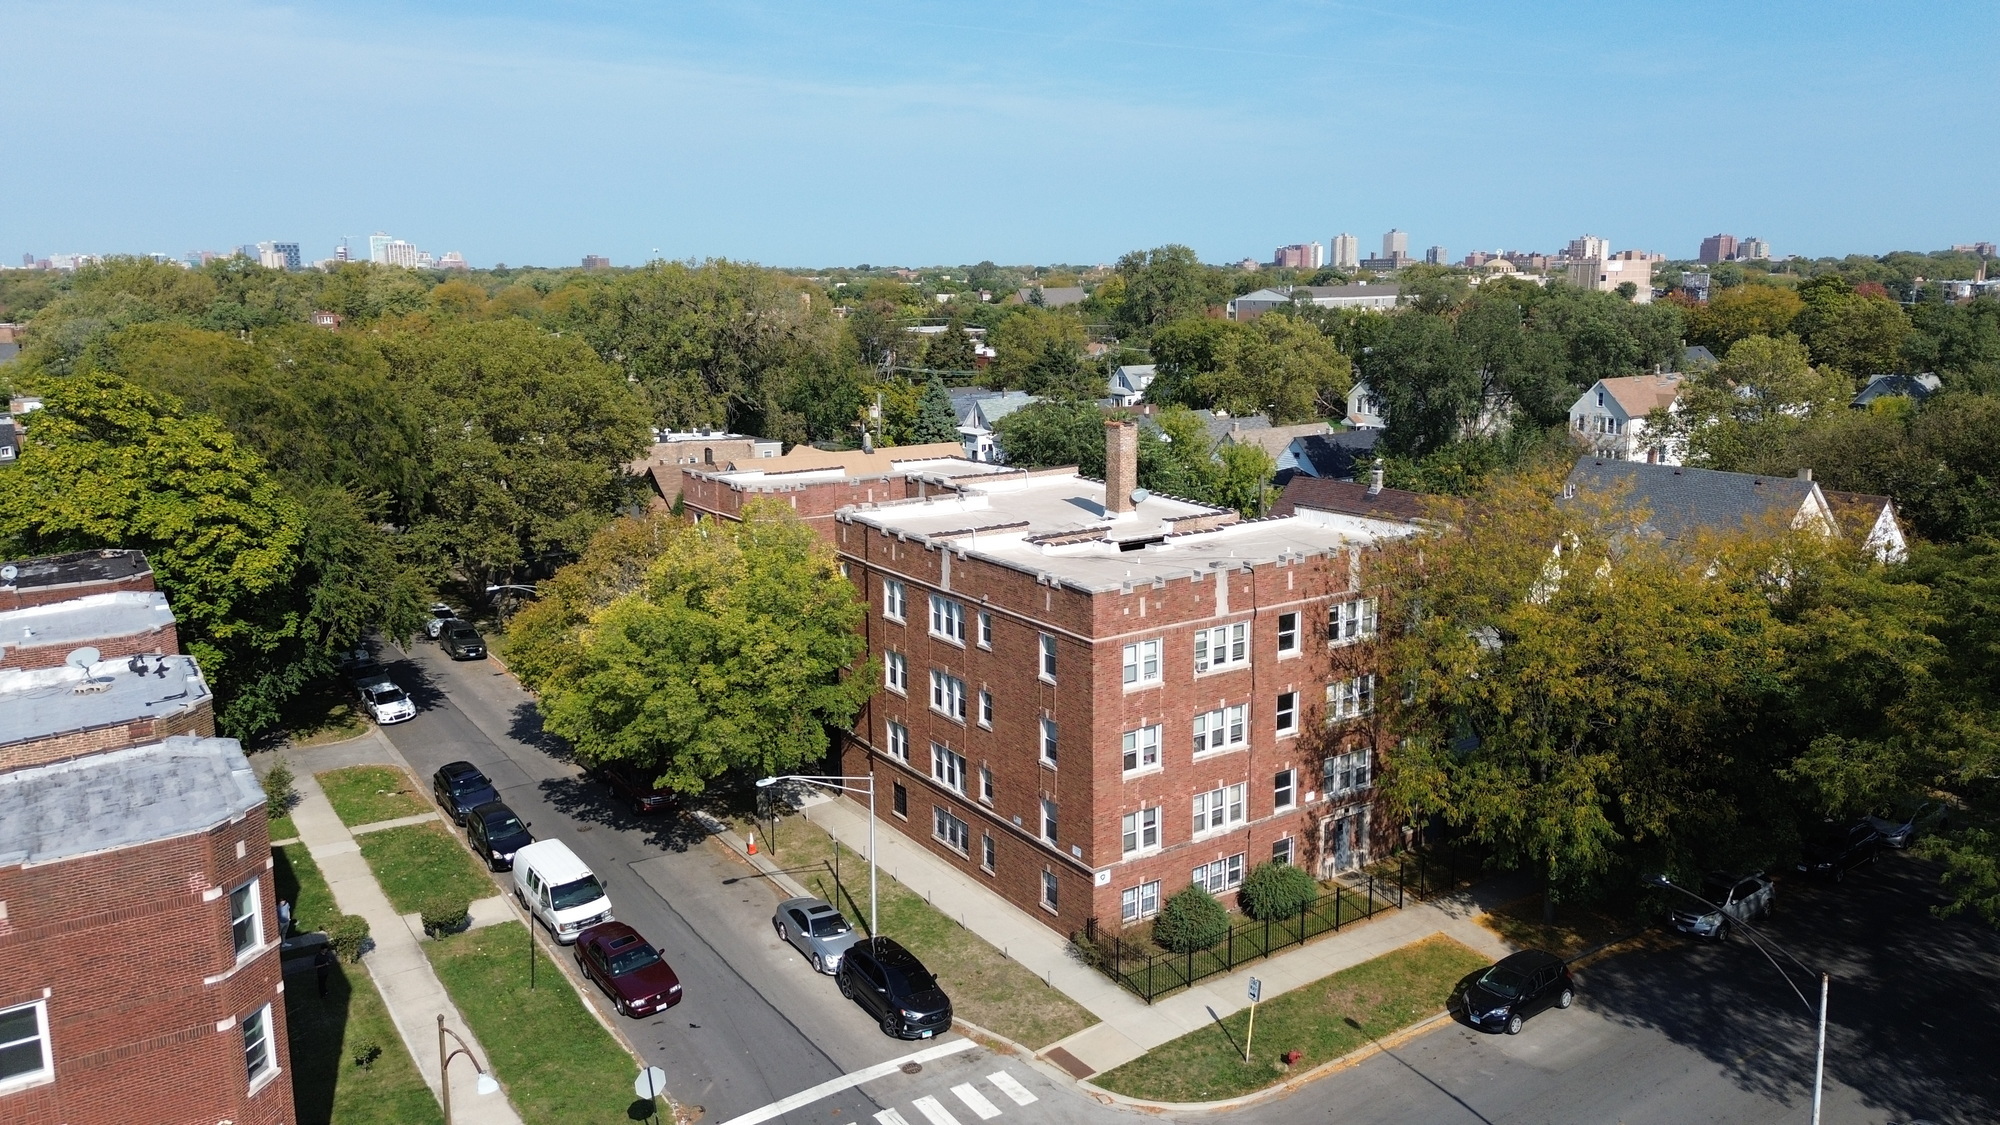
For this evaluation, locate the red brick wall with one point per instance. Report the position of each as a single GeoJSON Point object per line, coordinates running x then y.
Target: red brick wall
{"type": "Point", "coordinates": [121, 944]}
{"type": "Point", "coordinates": [196, 719]}
{"type": "Point", "coordinates": [13, 598]}
{"type": "Point", "coordinates": [1092, 709]}
{"type": "Point", "coordinates": [164, 639]}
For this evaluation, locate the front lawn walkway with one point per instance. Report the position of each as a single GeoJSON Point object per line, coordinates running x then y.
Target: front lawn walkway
{"type": "Point", "coordinates": [418, 861]}
{"type": "Point", "coordinates": [1322, 1021]}
{"type": "Point", "coordinates": [328, 1086]}
{"type": "Point", "coordinates": [300, 883]}
{"type": "Point", "coordinates": [366, 794]}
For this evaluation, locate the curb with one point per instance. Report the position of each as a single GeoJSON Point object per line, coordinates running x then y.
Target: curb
{"type": "Point", "coordinates": [1288, 1086]}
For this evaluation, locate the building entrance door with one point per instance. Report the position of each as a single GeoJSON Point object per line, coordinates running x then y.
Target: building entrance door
{"type": "Point", "coordinates": [1344, 843]}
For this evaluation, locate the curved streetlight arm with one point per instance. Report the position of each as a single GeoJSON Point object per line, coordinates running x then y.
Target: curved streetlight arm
{"type": "Point", "coordinates": [839, 782]}
{"type": "Point", "coordinates": [1756, 938]}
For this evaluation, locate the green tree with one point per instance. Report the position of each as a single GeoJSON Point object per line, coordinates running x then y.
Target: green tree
{"type": "Point", "coordinates": [1425, 379]}
{"type": "Point", "coordinates": [1191, 921]}
{"type": "Point", "coordinates": [935, 418]}
{"type": "Point", "coordinates": [1275, 891]}
{"type": "Point", "coordinates": [734, 652]}
{"type": "Point", "coordinates": [1741, 312]}
{"type": "Point", "coordinates": [1043, 434]}
{"type": "Point", "coordinates": [1761, 394]}
{"type": "Point", "coordinates": [1040, 350]}
{"type": "Point", "coordinates": [951, 350]}
{"type": "Point", "coordinates": [1162, 285]}
{"type": "Point", "coordinates": [1846, 331]}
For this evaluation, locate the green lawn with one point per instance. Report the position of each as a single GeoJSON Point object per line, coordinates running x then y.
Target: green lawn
{"type": "Point", "coordinates": [985, 987]}
{"type": "Point", "coordinates": [557, 1062]}
{"type": "Point", "coordinates": [282, 828]}
{"type": "Point", "coordinates": [417, 861]}
{"type": "Point", "coordinates": [367, 794]}
{"type": "Point", "coordinates": [299, 882]}
{"type": "Point", "coordinates": [327, 1087]}
{"type": "Point", "coordinates": [1322, 1021]}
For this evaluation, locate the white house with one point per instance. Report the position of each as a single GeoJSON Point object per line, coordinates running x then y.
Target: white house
{"type": "Point", "coordinates": [1363, 412]}
{"type": "Point", "coordinates": [1611, 418]}
{"type": "Point", "coordinates": [975, 429]}
{"type": "Point", "coordinates": [1129, 383]}
{"type": "Point", "coordinates": [1378, 296]}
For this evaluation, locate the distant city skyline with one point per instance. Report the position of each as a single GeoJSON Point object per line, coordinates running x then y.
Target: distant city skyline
{"type": "Point", "coordinates": [804, 135]}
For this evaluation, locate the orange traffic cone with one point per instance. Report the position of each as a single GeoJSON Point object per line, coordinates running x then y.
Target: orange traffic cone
{"type": "Point", "coordinates": [751, 838]}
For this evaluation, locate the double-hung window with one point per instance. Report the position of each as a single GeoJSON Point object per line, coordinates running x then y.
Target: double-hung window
{"type": "Point", "coordinates": [947, 695]}
{"type": "Point", "coordinates": [953, 832]}
{"type": "Point", "coordinates": [1142, 663]}
{"type": "Point", "coordinates": [1288, 713]}
{"type": "Point", "coordinates": [894, 602]}
{"type": "Point", "coordinates": [986, 708]}
{"type": "Point", "coordinates": [1284, 789]}
{"type": "Point", "coordinates": [1217, 809]}
{"type": "Point", "coordinates": [1348, 773]}
{"type": "Point", "coordinates": [1050, 889]}
{"type": "Point", "coordinates": [948, 768]}
{"type": "Point", "coordinates": [1351, 698]}
{"type": "Point", "coordinates": [1048, 650]}
{"type": "Point", "coordinates": [1288, 634]}
{"type": "Point", "coordinates": [1142, 749]}
{"type": "Point", "coordinates": [896, 673]}
{"type": "Point", "coordinates": [1220, 875]}
{"type": "Point", "coordinates": [24, 1046]}
{"type": "Point", "coordinates": [1348, 622]}
{"type": "Point", "coordinates": [1141, 830]}
{"type": "Point", "coordinates": [987, 851]}
{"type": "Point", "coordinates": [258, 1058]}
{"type": "Point", "coordinates": [985, 629]}
{"type": "Point", "coordinates": [947, 619]}
{"type": "Point", "coordinates": [1049, 819]}
{"type": "Point", "coordinates": [1222, 728]}
{"type": "Point", "coordinates": [246, 921]}
{"type": "Point", "coordinates": [899, 741]}
{"type": "Point", "coordinates": [1225, 646]}
{"type": "Point", "coordinates": [986, 784]}
{"type": "Point", "coordinates": [1048, 741]}
{"type": "Point", "coordinates": [1142, 901]}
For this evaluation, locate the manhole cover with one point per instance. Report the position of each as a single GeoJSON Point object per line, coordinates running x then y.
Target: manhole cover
{"type": "Point", "coordinates": [912, 1068]}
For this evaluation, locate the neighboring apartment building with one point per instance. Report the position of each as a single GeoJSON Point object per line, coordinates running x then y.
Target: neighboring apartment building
{"type": "Point", "coordinates": [1718, 248]}
{"type": "Point", "coordinates": [1379, 296]}
{"type": "Point", "coordinates": [1605, 275]}
{"type": "Point", "coordinates": [1300, 256]}
{"type": "Point", "coordinates": [1093, 696]}
{"type": "Point", "coordinates": [817, 483]}
{"type": "Point", "coordinates": [1346, 251]}
{"type": "Point", "coordinates": [1611, 418]}
{"type": "Point", "coordinates": [139, 964]}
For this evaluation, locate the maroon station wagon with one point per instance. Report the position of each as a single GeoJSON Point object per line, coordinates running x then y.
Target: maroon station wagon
{"type": "Point", "coordinates": [629, 970]}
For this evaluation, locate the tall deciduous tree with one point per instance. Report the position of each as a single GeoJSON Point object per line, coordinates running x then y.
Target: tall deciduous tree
{"type": "Point", "coordinates": [1162, 285]}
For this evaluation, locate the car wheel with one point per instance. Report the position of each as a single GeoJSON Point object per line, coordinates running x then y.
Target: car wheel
{"type": "Point", "coordinates": [891, 1028]}
{"type": "Point", "coordinates": [624, 1008]}
{"type": "Point", "coordinates": [1565, 999]}
{"type": "Point", "coordinates": [782, 935]}
{"type": "Point", "coordinates": [1514, 1024]}
{"type": "Point", "coordinates": [1722, 931]}
{"type": "Point", "coordinates": [819, 963]}
{"type": "Point", "coordinates": [845, 989]}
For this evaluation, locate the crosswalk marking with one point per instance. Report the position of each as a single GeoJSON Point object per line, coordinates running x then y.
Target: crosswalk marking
{"type": "Point", "coordinates": [935, 1111]}
{"type": "Point", "coordinates": [890, 1117]}
{"type": "Point", "coordinates": [1011, 1087]}
{"type": "Point", "coordinates": [976, 1102]}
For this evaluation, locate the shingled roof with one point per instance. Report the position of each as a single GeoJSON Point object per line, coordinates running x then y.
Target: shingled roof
{"type": "Point", "coordinates": [1680, 501]}
{"type": "Point", "coordinates": [1348, 498]}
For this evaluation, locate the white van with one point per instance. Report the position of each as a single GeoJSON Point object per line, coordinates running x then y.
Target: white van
{"type": "Point", "coordinates": [557, 888]}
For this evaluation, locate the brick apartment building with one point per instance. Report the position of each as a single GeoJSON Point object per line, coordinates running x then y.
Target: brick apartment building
{"type": "Point", "coordinates": [139, 962]}
{"type": "Point", "coordinates": [1093, 696]}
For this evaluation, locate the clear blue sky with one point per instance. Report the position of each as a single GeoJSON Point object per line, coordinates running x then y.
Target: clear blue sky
{"type": "Point", "coordinates": [822, 133]}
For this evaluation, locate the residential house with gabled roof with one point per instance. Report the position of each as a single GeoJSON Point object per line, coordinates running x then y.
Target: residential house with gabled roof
{"type": "Point", "coordinates": [975, 426]}
{"type": "Point", "coordinates": [1916, 388]}
{"type": "Point", "coordinates": [1872, 520]}
{"type": "Point", "coordinates": [1680, 502]}
{"type": "Point", "coordinates": [1129, 382]}
{"type": "Point", "coordinates": [1612, 418]}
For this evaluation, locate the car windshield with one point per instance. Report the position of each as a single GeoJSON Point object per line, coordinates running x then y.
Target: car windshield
{"type": "Point", "coordinates": [580, 893]}
{"type": "Point", "coordinates": [461, 632]}
{"type": "Point", "coordinates": [502, 826]}
{"type": "Point", "coordinates": [390, 695]}
{"type": "Point", "coordinates": [1717, 893]}
{"type": "Point", "coordinates": [1505, 983]}
{"type": "Point", "coordinates": [632, 960]}
{"type": "Point", "coordinates": [829, 925]}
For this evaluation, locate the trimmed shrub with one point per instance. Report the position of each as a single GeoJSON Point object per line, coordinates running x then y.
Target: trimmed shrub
{"type": "Point", "coordinates": [278, 791]}
{"type": "Point", "coordinates": [1277, 890]}
{"type": "Point", "coordinates": [348, 934]}
{"type": "Point", "coordinates": [1191, 920]}
{"type": "Point", "coordinates": [445, 914]}
{"type": "Point", "coordinates": [366, 1052]}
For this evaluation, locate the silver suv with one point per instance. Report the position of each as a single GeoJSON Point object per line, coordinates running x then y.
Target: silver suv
{"type": "Point", "coordinates": [1737, 898]}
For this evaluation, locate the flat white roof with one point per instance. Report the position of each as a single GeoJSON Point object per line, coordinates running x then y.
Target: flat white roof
{"type": "Point", "coordinates": [936, 468]}
{"type": "Point", "coordinates": [36, 703]}
{"type": "Point", "coordinates": [79, 621]}
{"type": "Point", "coordinates": [123, 798]}
{"type": "Point", "coordinates": [1044, 524]}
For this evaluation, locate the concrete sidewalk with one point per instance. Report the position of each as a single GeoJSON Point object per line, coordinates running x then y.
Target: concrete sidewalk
{"type": "Point", "coordinates": [1130, 1026]}
{"type": "Point", "coordinates": [402, 974]}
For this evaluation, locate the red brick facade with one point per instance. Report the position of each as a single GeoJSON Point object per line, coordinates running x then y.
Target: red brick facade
{"type": "Point", "coordinates": [131, 953]}
{"type": "Point", "coordinates": [13, 597]}
{"type": "Point", "coordinates": [166, 638]}
{"type": "Point", "coordinates": [197, 717]}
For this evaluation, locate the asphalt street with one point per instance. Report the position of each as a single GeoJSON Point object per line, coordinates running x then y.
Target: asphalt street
{"type": "Point", "coordinates": [1673, 1032]}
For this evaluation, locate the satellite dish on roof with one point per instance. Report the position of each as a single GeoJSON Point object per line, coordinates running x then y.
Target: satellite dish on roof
{"type": "Point", "coordinates": [1141, 495]}
{"type": "Point", "coordinates": [83, 658]}
{"type": "Point", "coordinates": [8, 572]}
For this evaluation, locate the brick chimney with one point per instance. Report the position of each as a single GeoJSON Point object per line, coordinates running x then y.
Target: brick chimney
{"type": "Point", "coordinates": [1121, 466]}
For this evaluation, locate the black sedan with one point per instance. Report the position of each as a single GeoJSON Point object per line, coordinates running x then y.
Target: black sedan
{"type": "Point", "coordinates": [894, 987]}
{"type": "Point", "coordinates": [1839, 849]}
{"type": "Point", "coordinates": [496, 834]}
{"type": "Point", "coordinates": [1501, 997]}
{"type": "Point", "coordinates": [459, 788]}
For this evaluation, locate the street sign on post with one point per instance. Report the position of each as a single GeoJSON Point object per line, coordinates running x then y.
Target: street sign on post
{"type": "Point", "coordinates": [651, 1084]}
{"type": "Point", "coordinates": [1256, 990]}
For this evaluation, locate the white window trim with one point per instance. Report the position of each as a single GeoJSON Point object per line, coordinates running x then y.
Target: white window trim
{"type": "Point", "coordinates": [1362, 757]}
{"type": "Point", "coordinates": [942, 695]}
{"type": "Point", "coordinates": [1144, 767]}
{"type": "Point", "coordinates": [1293, 730]}
{"type": "Point", "coordinates": [264, 1077]}
{"type": "Point", "coordinates": [896, 673]}
{"type": "Point", "coordinates": [1050, 882]}
{"type": "Point", "coordinates": [1207, 826]}
{"type": "Point", "coordinates": [896, 740]}
{"type": "Point", "coordinates": [46, 1073]}
{"type": "Point", "coordinates": [1138, 896]}
{"type": "Point", "coordinates": [1045, 655]}
{"type": "Point", "coordinates": [939, 814]}
{"type": "Point", "coordinates": [1134, 656]}
{"type": "Point", "coordinates": [986, 786]}
{"type": "Point", "coordinates": [257, 945]}
{"type": "Point", "coordinates": [1049, 741]}
{"type": "Point", "coordinates": [895, 600]}
{"type": "Point", "coordinates": [1044, 829]}
{"type": "Point", "coordinates": [1293, 801]}
{"type": "Point", "coordinates": [945, 762]}
{"type": "Point", "coordinates": [1298, 649]}
{"type": "Point", "coordinates": [1229, 880]}
{"type": "Point", "coordinates": [948, 612]}
{"type": "Point", "coordinates": [1140, 829]}
{"type": "Point", "coordinates": [1205, 662]}
{"type": "Point", "coordinates": [1351, 698]}
{"type": "Point", "coordinates": [986, 707]}
{"type": "Point", "coordinates": [985, 627]}
{"type": "Point", "coordinates": [1365, 622]}
{"type": "Point", "coordinates": [1236, 711]}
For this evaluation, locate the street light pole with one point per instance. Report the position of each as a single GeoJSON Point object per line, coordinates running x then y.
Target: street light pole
{"type": "Point", "coordinates": [1758, 939]}
{"type": "Point", "coordinates": [485, 1085]}
{"type": "Point", "coordinates": [846, 785]}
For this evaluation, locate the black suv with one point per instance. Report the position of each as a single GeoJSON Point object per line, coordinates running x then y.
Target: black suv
{"type": "Point", "coordinates": [496, 834]}
{"type": "Point", "coordinates": [1840, 848]}
{"type": "Point", "coordinates": [459, 788]}
{"type": "Point", "coordinates": [895, 988]}
{"type": "Point", "coordinates": [461, 641]}
{"type": "Point", "coordinates": [1501, 997]}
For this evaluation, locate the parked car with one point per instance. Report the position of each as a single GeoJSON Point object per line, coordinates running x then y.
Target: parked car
{"type": "Point", "coordinates": [634, 787]}
{"type": "Point", "coordinates": [630, 971]}
{"type": "Point", "coordinates": [440, 613]}
{"type": "Point", "coordinates": [1900, 829]}
{"type": "Point", "coordinates": [496, 834]}
{"type": "Point", "coordinates": [459, 788]}
{"type": "Point", "coordinates": [893, 986]}
{"type": "Point", "coordinates": [362, 668]}
{"type": "Point", "coordinates": [461, 641]}
{"type": "Point", "coordinates": [816, 929]}
{"type": "Point", "coordinates": [1504, 995]}
{"type": "Point", "coordinates": [559, 890]}
{"type": "Point", "coordinates": [1737, 898]}
{"type": "Point", "coordinates": [1839, 849]}
{"type": "Point", "coordinates": [385, 702]}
